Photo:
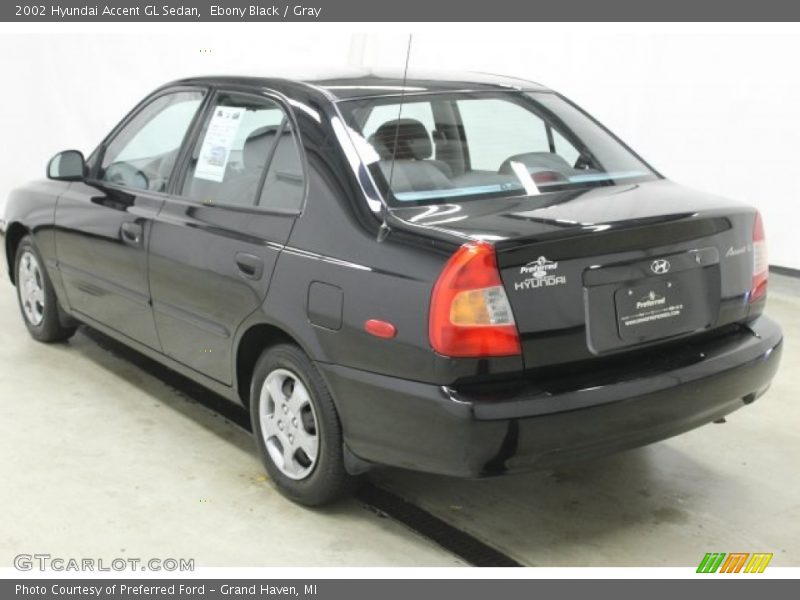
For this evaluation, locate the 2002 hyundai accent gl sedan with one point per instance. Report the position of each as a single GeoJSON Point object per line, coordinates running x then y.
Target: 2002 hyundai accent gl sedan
{"type": "Point", "coordinates": [465, 276]}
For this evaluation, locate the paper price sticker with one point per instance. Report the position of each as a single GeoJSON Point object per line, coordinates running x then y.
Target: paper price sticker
{"type": "Point", "coordinates": [218, 142]}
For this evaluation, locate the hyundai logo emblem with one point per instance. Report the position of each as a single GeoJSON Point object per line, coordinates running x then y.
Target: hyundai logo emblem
{"type": "Point", "coordinates": [660, 266]}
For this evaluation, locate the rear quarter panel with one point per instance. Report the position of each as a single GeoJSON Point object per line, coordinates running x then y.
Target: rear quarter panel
{"type": "Point", "coordinates": [334, 260]}
{"type": "Point", "coordinates": [335, 265]}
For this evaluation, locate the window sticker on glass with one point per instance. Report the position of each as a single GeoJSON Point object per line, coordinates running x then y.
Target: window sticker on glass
{"type": "Point", "coordinates": [217, 144]}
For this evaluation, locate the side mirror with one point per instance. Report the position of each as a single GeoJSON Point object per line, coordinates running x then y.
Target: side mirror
{"type": "Point", "coordinates": [67, 166]}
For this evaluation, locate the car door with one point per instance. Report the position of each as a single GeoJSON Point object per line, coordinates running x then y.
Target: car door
{"type": "Point", "coordinates": [215, 242]}
{"type": "Point", "coordinates": [103, 223]}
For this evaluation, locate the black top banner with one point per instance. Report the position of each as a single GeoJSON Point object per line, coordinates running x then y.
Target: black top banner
{"type": "Point", "coordinates": [399, 10]}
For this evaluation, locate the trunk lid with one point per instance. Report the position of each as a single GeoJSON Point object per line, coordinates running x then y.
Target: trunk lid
{"type": "Point", "coordinates": [610, 270]}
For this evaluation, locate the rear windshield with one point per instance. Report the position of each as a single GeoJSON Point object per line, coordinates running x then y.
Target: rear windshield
{"type": "Point", "coordinates": [437, 148]}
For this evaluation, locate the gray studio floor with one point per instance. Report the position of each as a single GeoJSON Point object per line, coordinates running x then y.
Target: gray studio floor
{"type": "Point", "coordinates": [101, 459]}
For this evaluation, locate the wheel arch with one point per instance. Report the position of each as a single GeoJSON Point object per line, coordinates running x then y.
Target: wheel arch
{"type": "Point", "coordinates": [252, 343]}
{"type": "Point", "coordinates": [14, 234]}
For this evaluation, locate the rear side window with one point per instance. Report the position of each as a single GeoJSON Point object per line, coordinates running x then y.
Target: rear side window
{"type": "Point", "coordinates": [143, 153]}
{"type": "Point", "coordinates": [246, 155]}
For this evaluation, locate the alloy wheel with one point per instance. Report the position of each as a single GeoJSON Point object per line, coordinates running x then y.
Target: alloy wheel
{"type": "Point", "coordinates": [31, 288]}
{"type": "Point", "coordinates": [289, 424]}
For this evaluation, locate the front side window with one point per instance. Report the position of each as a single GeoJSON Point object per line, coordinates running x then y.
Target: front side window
{"type": "Point", "coordinates": [464, 146]}
{"type": "Point", "coordinates": [143, 153]}
{"type": "Point", "coordinates": [246, 155]}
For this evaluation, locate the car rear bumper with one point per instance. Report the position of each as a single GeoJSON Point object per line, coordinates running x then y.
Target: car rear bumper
{"type": "Point", "coordinates": [437, 429]}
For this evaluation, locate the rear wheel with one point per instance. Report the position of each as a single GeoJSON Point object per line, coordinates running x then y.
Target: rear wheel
{"type": "Point", "coordinates": [37, 299]}
{"type": "Point", "coordinates": [296, 428]}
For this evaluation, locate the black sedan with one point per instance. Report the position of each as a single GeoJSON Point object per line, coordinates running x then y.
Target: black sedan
{"type": "Point", "coordinates": [463, 275]}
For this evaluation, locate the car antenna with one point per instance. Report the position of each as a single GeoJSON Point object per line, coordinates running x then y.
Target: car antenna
{"type": "Point", "coordinates": [384, 230]}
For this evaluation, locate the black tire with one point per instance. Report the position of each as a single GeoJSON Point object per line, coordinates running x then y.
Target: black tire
{"type": "Point", "coordinates": [328, 480]}
{"type": "Point", "coordinates": [50, 328]}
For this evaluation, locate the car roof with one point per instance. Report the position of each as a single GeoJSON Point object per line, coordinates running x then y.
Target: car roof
{"type": "Point", "coordinates": [351, 84]}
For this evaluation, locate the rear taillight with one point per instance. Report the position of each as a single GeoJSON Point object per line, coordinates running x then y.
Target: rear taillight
{"type": "Point", "coordinates": [760, 263]}
{"type": "Point", "coordinates": [470, 313]}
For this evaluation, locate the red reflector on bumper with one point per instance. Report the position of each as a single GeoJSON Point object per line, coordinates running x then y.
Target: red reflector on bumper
{"type": "Point", "coordinates": [381, 329]}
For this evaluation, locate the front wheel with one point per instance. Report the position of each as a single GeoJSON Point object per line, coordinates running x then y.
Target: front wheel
{"type": "Point", "coordinates": [296, 428]}
{"type": "Point", "coordinates": [37, 299]}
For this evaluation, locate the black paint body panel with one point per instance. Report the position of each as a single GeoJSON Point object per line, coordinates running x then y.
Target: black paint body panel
{"type": "Point", "coordinates": [475, 431]}
{"type": "Point", "coordinates": [199, 283]}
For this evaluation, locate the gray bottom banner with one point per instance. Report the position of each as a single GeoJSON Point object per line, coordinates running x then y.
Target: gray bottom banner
{"type": "Point", "coordinates": [392, 589]}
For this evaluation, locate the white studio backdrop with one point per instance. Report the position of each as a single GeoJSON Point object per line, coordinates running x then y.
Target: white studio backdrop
{"type": "Point", "coordinates": [713, 107]}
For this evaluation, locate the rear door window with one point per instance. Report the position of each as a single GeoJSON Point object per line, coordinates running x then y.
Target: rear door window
{"type": "Point", "coordinates": [246, 155]}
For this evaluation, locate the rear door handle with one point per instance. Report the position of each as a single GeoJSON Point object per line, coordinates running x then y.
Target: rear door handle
{"type": "Point", "coordinates": [249, 265]}
{"type": "Point", "coordinates": [132, 233]}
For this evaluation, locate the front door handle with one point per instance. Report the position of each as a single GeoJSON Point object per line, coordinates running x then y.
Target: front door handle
{"type": "Point", "coordinates": [132, 233]}
{"type": "Point", "coordinates": [249, 265]}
